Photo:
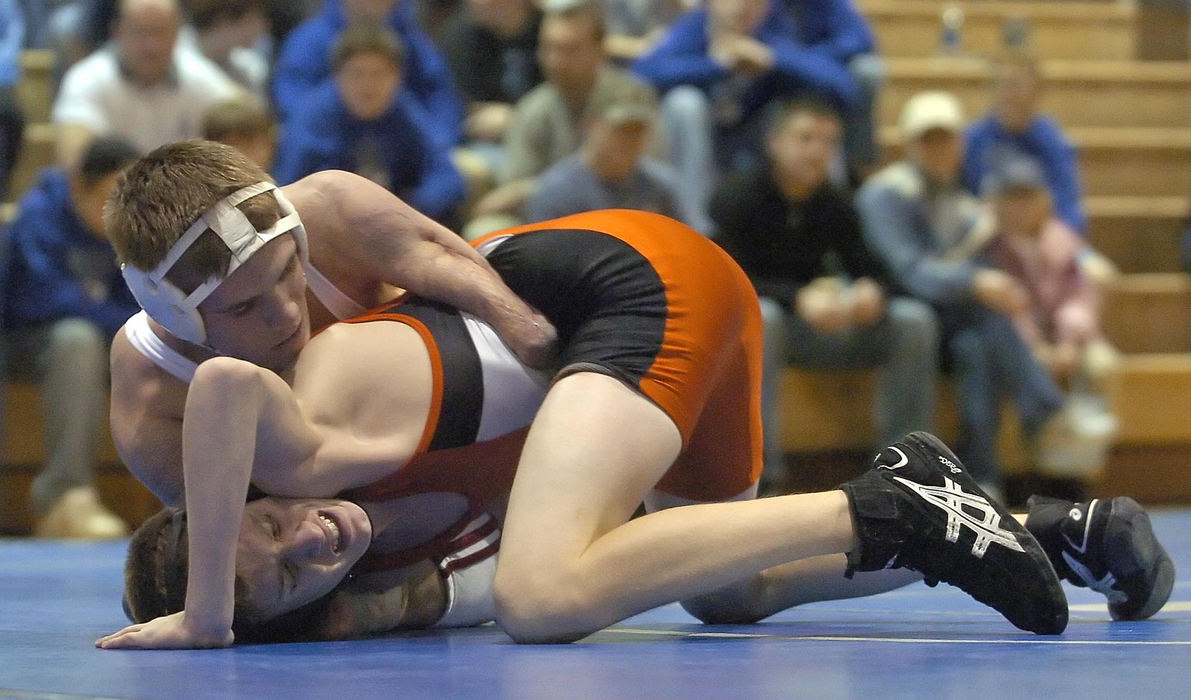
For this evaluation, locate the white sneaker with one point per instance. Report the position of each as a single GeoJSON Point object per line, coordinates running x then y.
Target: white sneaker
{"type": "Point", "coordinates": [1074, 442]}
{"type": "Point", "coordinates": [78, 515]}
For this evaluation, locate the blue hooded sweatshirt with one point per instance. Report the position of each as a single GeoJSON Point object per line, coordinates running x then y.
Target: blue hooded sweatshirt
{"type": "Point", "coordinates": [681, 58]}
{"type": "Point", "coordinates": [57, 268]}
{"type": "Point", "coordinates": [395, 149]}
{"type": "Point", "coordinates": [304, 62]}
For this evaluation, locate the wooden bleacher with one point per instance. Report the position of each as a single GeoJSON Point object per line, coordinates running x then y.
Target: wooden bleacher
{"type": "Point", "coordinates": [1097, 30]}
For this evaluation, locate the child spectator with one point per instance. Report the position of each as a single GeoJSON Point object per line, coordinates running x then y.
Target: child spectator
{"type": "Point", "coordinates": [1061, 321]}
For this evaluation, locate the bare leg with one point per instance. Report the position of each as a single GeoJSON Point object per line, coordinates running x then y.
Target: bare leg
{"type": "Point", "coordinates": [778, 588]}
{"type": "Point", "coordinates": [572, 562]}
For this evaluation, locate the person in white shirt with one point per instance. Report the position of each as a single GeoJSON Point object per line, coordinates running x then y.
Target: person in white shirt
{"type": "Point", "coordinates": [140, 86]}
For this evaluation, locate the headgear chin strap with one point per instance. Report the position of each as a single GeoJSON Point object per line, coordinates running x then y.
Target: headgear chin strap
{"type": "Point", "coordinates": [177, 311]}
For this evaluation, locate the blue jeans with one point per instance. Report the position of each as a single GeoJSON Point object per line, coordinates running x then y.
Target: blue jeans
{"type": "Point", "coordinates": [991, 362]}
{"type": "Point", "coordinates": [903, 345]}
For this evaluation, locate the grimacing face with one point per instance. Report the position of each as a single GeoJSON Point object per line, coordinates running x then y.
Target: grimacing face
{"type": "Point", "coordinates": [259, 313]}
{"type": "Point", "coordinates": [293, 551]}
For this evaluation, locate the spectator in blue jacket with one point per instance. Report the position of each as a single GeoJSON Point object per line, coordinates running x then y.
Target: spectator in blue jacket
{"type": "Point", "coordinates": [365, 122]}
{"type": "Point", "coordinates": [1013, 127]}
{"type": "Point", "coordinates": [65, 300]}
{"type": "Point", "coordinates": [837, 30]}
{"type": "Point", "coordinates": [304, 62]}
{"type": "Point", "coordinates": [717, 68]}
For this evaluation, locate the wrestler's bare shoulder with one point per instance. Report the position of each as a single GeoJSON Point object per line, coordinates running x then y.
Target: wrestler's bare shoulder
{"type": "Point", "coordinates": [376, 379]}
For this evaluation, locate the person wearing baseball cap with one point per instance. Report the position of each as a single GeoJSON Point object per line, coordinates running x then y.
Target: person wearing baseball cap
{"type": "Point", "coordinates": [612, 169]}
{"type": "Point", "coordinates": [930, 232]}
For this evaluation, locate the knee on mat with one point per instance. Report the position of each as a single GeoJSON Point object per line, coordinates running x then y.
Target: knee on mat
{"type": "Point", "coordinates": [541, 609]}
{"type": "Point", "coordinates": [735, 605]}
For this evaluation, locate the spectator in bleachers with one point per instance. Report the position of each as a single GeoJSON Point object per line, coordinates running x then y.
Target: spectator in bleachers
{"type": "Point", "coordinates": [1061, 320]}
{"type": "Point", "coordinates": [929, 231]}
{"type": "Point", "coordinates": [246, 124]}
{"type": "Point", "coordinates": [1015, 127]}
{"type": "Point", "coordinates": [611, 170]}
{"type": "Point", "coordinates": [141, 86]}
{"type": "Point", "coordinates": [64, 300]}
{"type": "Point", "coordinates": [823, 300]}
{"type": "Point", "coordinates": [365, 121]}
{"type": "Point", "coordinates": [304, 62]}
{"type": "Point", "coordinates": [491, 47]}
{"type": "Point", "coordinates": [837, 30]}
{"type": "Point", "coordinates": [12, 120]}
{"type": "Point", "coordinates": [635, 26]}
{"type": "Point", "coordinates": [228, 33]}
{"type": "Point", "coordinates": [547, 123]}
{"type": "Point", "coordinates": [718, 67]}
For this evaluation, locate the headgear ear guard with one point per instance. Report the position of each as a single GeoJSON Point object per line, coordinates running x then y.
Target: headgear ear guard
{"type": "Point", "coordinates": [177, 311]}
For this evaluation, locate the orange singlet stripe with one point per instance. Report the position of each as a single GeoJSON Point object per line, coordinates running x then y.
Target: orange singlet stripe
{"type": "Point", "coordinates": [706, 375]}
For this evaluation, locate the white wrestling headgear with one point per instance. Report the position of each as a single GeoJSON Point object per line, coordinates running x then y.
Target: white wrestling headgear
{"type": "Point", "coordinates": [178, 311]}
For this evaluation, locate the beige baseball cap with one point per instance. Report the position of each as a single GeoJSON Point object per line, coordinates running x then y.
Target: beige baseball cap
{"type": "Point", "coordinates": [930, 110]}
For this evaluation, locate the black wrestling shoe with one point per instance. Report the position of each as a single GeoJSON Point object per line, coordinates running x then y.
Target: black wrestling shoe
{"type": "Point", "coordinates": [918, 509]}
{"type": "Point", "coordinates": [1108, 546]}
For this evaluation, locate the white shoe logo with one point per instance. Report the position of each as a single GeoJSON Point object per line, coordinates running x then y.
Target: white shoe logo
{"type": "Point", "coordinates": [1082, 547]}
{"type": "Point", "coordinates": [1101, 585]}
{"type": "Point", "coordinates": [900, 463]}
{"type": "Point", "coordinates": [950, 465]}
{"type": "Point", "coordinates": [957, 503]}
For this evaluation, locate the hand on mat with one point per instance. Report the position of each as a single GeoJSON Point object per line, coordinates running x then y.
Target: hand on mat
{"type": "Point", "coordinates": [169, 632]}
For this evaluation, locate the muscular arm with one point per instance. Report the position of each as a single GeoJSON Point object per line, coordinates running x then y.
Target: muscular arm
{"type": "Point", "coordinates": [360, 231]}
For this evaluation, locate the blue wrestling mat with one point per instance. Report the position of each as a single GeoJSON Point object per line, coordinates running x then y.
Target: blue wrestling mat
{"type": "Point", "coordinates": [917, 642]}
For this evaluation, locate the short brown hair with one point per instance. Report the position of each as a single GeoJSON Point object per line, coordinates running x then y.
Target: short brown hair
{"type": "Point", "coordinates": [590, 10]}
{"type": "Point", "coordinates": [162, 194]}
{"type": "Point", "coordinates": [367, 37]}
{"type": "Point", "coordinates": [238, 117]}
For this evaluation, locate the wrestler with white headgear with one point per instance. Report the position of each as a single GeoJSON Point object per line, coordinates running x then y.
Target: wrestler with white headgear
{"type": "Point", "coordinates": [248, 291]}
